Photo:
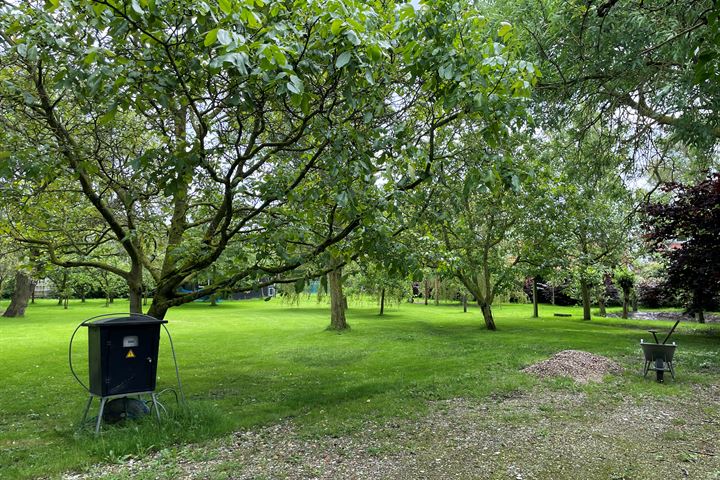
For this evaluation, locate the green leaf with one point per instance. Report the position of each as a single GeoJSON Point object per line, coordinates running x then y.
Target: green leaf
{"type": "Point", "coordinates": [239, 60]}
{"type": "Point", "coordinates": [369, 77]}
{"type": "Point", "coordinates": [299, 285]}
{"type": "Point", "coordinates": [29, 99]}
{"type": "Point", "coordinates": [250, 18]}
{"type": "Point", "coordinates": [108, 117]}
{"type": "Point", "coordinates": [504, 29]}
{"type": "Point", "coordinates": [295, 85]}
{"type": "Point", "coordinates": [280, 58]}
{"type": "Point", "coordinates": [343, 59]}
{"type": "Point", "coordinates": [407, 11]}
{"type": "Point", "coordinates": [90, 57]}
{"type": "Point", "coordinates": [211, 37]}
{"type": "Point", "coordinates": [352, 37]}
{"type": "Point", "coordinates": [224, 37]}
{"type": "Point", "coordinates": [446, 72]}
{"type": "Point", "coordinates": [225, 6]}
{"type": "Point", "coordinates": [374, 52]}
{"type": "Point", "coordinates": [336, 26]}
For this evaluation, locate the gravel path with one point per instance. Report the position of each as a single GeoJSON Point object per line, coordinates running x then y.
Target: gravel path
{"type": "Point", "coordinates": [669, 316]}
{"type": "Point", "coordinates": [548, 433]}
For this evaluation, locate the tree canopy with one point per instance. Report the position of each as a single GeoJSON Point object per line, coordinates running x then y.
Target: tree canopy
{"type": "Point", "coordinates": [189, 127]}
{"type": "Point", "coordinates": [686, 230]}
{"type": "Point", "coordinates": [263, 142]}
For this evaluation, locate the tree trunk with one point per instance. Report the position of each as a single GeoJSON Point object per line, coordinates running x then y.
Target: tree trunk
{"type": "Point", "coordinates": [213, 300]}
{"type": "Point", "coordinates": [535, 298]}
{"type": "Point", "coordinates": [337, 304]}
{"type": "Point", "coordinates": [601, 304]}
{"type": "Point", "coordinates": [487, 315]}
{"type": "Point", "coordinates": [24, 287]}
{"type": "Point", "coordinates": [82, 297]}
{"type": "Point", "coordinates": [158, 307]}
{"type": "Point", "coordinates": [634, 301]}
{"type": "Point", "coordinates": [465, 303]}
{"type": "Point", "coordinates": [427, 291]}
{"type": "Point", "coordinates": [107, 299]}
{"type": "Point", "coordinates": [135, 288]}
{"type": "Point", "coordinates": [437, 290]}
{"type": "Point", "coordinates": [552, 294]}
{"type": "Point", "coordinates": [65, 302]}
{"type": "Point", "coordinates": [626, 301]}
{"type": "Point", "coordinates": [32, 295]}
{"type": "Point", "coordinates": [585, 292]}
{"type": "Point", "coordinates": [700, 316]}
{"type": "Point", "coordinates": [62, 288]}
{"type": "Point", "coordinates": [382, 301]}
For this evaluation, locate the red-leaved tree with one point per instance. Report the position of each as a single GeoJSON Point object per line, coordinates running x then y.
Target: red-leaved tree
{"type": "Point", "coordinates": [686, 230]}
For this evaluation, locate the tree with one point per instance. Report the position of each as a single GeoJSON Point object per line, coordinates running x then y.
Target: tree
{"type": "Point", "coordinates": [240, 104]}
{"type": "Point", "coordinates": [26, 273]}
{"type": "Point", "coordinates": [111, 285]}
{"type": "Point", "coordinates": [385, 270]}
{"type": "Point", "coordinates": [685, 230]}
{"type": "Point", "coordinates": [626, 279]}
{"type": "Point", "coordinates": [337, 300]}
{"type": "Point", "coordinates": [544, 242]}
{"type": "Point", "coordinates": [480, 201]}
{"type": "Point", "coordinates": [8, 266]}
{"type": "Point", "coordinates": [598, 210]}
{"type": "Point", "coordinates": [81, 282]}
{"type": "Point", "coordinates": [641, 67]}
{"type": "Point", "coordinates": [60, 278]}
{"type": "Point", "coordinates": [24, 286]}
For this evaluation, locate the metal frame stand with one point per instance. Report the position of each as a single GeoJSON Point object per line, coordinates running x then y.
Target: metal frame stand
{"type": "Point", "coordinates": [104, 400]}
{"type": "Point", "coordinates": [660, 367]}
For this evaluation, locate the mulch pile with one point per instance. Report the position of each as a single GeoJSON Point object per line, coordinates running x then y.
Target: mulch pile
{"type": "Point", "coordinates": [583, 367]}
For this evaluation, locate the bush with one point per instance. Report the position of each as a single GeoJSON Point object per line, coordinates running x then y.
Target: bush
{"type": "Point", "coordinates": [654, 293]}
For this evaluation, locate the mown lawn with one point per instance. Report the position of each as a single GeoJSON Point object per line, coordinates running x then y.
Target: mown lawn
{"type": "Point", "coordinates": [250, 363]}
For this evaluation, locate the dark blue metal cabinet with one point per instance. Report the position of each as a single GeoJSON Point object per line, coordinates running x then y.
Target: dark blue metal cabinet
{"type": "Point", "coordinates": [123, 354]}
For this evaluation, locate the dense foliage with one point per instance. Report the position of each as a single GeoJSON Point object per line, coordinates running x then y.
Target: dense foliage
{"type": "Point", "coordinates": [686, 229]}
{"type": "Point", "coordinates": [163, 144]}
{"type": "Point", "coordinates": [269, 129]}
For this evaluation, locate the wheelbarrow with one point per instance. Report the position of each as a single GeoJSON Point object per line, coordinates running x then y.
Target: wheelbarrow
{"type": "Point", "coordinates": [659, 356]}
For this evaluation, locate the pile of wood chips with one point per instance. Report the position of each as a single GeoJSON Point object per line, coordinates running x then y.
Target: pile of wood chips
{"type": "Point", "coordinates": [583, 367]}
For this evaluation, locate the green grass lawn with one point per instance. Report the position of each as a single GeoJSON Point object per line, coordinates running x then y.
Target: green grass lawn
{"type": "Point", "coordinates": [250, 363]}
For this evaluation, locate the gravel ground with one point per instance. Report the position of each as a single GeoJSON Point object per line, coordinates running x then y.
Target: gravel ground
{"type": "Point", "coordinates": [560, 432]}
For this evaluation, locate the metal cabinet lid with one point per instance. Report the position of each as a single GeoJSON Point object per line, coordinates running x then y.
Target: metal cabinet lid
{"type": "Point", "coordinates": [130, 320]}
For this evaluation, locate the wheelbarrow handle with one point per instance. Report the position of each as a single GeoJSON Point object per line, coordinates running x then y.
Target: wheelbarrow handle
{"type": "Point", "coordinates": [670, 332]}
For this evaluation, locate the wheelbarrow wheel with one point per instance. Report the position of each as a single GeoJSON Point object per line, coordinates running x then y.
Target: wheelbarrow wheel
{"type": "Point", "coordinates": [659, 370]}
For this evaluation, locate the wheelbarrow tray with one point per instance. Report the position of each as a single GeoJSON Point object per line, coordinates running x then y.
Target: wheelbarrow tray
{"type": "Point", "coordinates": [659, 357]}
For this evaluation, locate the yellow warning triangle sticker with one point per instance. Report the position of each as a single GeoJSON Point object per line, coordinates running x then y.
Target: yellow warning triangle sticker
{"type": "Point", "coordinates": [130, 354]}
